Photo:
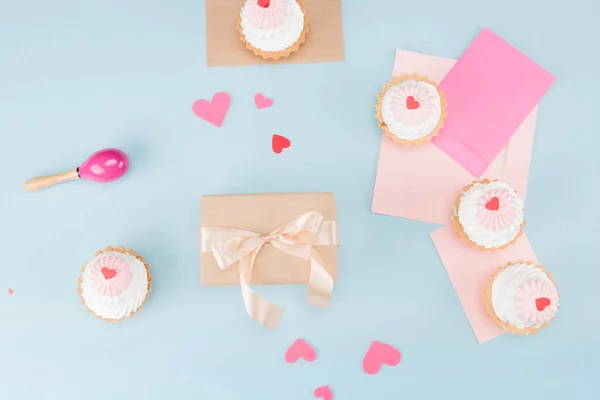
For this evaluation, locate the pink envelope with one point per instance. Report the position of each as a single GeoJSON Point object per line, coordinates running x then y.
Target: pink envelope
{"type": "Point", "coordinates": [490, 91]}
{"type": "Point", "coordinates": [422, 182]}
{"type": "Point", "coordinates": [469, 271]}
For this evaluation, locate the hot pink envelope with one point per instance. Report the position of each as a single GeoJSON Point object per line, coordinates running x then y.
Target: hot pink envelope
{"type": "Point", "coordinates": [470, 269]}
{"type": "Point", "coordinates": [422, 182]}
{"type": "Point", "coordinates": [490, 91]}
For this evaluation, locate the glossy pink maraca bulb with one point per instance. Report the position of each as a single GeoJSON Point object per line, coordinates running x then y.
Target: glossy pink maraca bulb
{"type": "Point", "coordinates": [104, 166]}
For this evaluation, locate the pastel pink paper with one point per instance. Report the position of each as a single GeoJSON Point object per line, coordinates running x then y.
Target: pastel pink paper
{"type": "Point", "coordinates": [300, 349]}
{"type": "Point", "coordinates": [213, 111]}
{"type": "Point", "coordinates": [490, 91]}
{"type": "Point", "coordinates": [469, 271]}
{"type": "Point", "coordinates": [324, 392]}
{"type": "Point", "coordinates": [104, 166]}
{"type": "Point", "coordinates": [422, 182]}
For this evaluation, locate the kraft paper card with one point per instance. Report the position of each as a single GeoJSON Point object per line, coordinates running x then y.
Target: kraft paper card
{"type": "Point", "coordinates": [324, 40]}
{"type": "Point", "coordinates": [262, 214]}
{"type": "Point", "coordinates": [470, 270]}
{"type": "Point", "coordinates": [490, 92]}
{"type": "Point", "coordinates": [422, 182]}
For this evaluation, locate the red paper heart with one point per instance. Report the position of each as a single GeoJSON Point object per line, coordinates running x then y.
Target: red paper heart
{"type": "Point", "coordinates": [279, 143]}
{"type": "Point", "coordinates": [213, 111]}
{"type": "Point", "coordinates": [324, 392]}
{"type": "Point", "coordinates": [300, 349]}
{"type": "Point", "coordinates": [264, 3]}
{"type": "Point", "coordinates": [541, 303]}
{"type": "Point", "coordinates": [411, 103]}
{"type": "Point", "coordinates": [108, 273]}
{"type": "Point", "coordinates": [378, 355]}
{"type": "Point", "coordinates": [493, 204]}
{"type": "Point", "coordinates": [262, 101]}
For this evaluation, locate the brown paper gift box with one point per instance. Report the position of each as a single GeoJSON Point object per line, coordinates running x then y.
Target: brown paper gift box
{"type": "Point", "coordinates": [263, 213]}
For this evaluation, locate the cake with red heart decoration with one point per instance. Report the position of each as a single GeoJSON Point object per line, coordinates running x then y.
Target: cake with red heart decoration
{"type": "Point", "coordinates": [489, 215]}
{"type": "Point", "coordinates": [522, 298]}
{"type": "Point", "coordinates": [115, 284]}
{"type": "Point", "coordinates": [411, 109]}
{"type": "Point", "coordinates": [272, 29]}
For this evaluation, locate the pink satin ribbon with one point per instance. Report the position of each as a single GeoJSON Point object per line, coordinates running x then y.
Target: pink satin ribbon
{"type": "Point", "coordinates": [296, 238]}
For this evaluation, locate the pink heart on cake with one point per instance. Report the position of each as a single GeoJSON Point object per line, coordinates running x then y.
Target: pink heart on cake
{"type": "Point", "coordinates": [213, 111]}
{"type": "Point", "coordinates": [262, 101]}
{"type": "Point", "coordinates": [411, 103]}
{"type": "Point", "coordinates": [380, 354]}
{"type": "Point", "coordinates": [300, 349]}
{"type": "Point", "coordinates": [108, 273]}
{"type": "Point", "coordinates": [324, 392]}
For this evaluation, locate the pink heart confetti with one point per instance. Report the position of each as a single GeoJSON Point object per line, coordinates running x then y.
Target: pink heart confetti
{"type": "Point", "coordinates": [10, 291]}
{"type": "Point", "coordinates": [324, 392]}
{"type": "Point", "coordinates": [262, 101]}
{"type": "Point", "coordinates": [300, 349]}
{"type": "Point", "coordinates": [380, 354]}
{"type": "Point", "coordinates": [213, 111]}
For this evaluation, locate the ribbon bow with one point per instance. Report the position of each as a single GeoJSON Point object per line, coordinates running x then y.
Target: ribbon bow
{"type": "Point", "coordinates": [296, 238]}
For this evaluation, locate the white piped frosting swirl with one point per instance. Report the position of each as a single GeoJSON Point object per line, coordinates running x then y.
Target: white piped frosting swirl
{"type": "Point", "coordinates": [114, 285]}
{"type": "Point", "coordinates": [490, 213]}
{"type": "Point", "coordinates": [274, 28]}
{"type": "Point", "coordinates": [523, 296]}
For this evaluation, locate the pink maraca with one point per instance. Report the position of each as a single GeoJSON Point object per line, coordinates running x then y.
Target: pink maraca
{"type": "Point", "coordinates": [103, 166]}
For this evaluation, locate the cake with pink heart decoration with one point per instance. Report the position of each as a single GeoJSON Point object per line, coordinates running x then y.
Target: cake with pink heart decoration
{"type": "Point", "coordinates": [272, 29]}
{"type": "Point", "coordinates": [522, 297]}
{"type": "Point", "coordinates": [115, 284]}
{"type": "Point", "coordinates": [489, 215]}
{"type": "Point", "coordinates": [411, 109]}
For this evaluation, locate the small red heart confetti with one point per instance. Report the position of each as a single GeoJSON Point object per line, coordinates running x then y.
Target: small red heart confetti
{"type": "Point", "coordinates": [108, 273]}
{"type": "Point", "coordinates": [262, 101]}
{"type": "Point", "coordinates": [213, 111]}
{"type": "Point", "coordinates": [10, 291]}
{"type": "Point", "coordinates": [279, 143]}
{"type": "Point", "coordinates": [493, 204]}
{"type": "Point", "coordinates": [411, 103]}
{"type": "Point", "coordinates": [300, 349]}
{"type": "Point", "coordinates": [380, 354]}
{"type": "Point", "coordinates": [541, 303]}
{"type": "Point", "coordinates": [324, 392]}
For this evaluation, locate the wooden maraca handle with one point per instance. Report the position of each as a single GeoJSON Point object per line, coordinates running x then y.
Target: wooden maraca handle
{"type": "Point", "coordinates": [45, 181]}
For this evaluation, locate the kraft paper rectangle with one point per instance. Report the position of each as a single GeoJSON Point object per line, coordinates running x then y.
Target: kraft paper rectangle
{"type": "Point", "coordinates": [490, 91]}
{"type": "Point", "coordinates": [422, 182]}
{"type": "Point", "coordinates": [324, 40]}
{"type": "Point", "coordinates": [263, 213]}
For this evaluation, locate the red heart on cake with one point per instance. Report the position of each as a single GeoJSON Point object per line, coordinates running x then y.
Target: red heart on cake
{"type": "Point", "coordinates": [109, 273]}
{"type": "Point", "coordinates": [279, 143]}
{"type": "Point", "coordinates": [493, 204]}
{"type": "Point", "coordinates": [264, 3]}
{"type": "Point", "coordinates": [541, 303]}
{"type": "Point", "coordinates": [411, 103]}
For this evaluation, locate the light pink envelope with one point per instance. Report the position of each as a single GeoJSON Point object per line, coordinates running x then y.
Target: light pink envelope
{"type": "Point", "coordinates": [469, 270]}
{"type": "Point", "coordinates": [490, 91]}
{"type": "Point", "coordinates": [422, 182]}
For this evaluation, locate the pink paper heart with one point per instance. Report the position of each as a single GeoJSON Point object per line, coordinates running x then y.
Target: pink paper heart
{"type": "Point", "coordinates": [213, 111]}
{"type": "Point", "coordinates": [324, 392]}
{"type": "Point", "coordinates": [380, 354]}
{"type": "Point", "coordinates": [300, 349]}
{"type": "Point", "coordinates": [262, 101]}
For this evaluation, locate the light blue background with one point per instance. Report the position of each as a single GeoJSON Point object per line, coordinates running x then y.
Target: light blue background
{"type": "Point", "coordinates": [77, 76]}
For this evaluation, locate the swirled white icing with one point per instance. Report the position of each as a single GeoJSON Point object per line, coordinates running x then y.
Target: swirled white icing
{"type": "Point", "coordinates": [412, 109]}
{"type": "Point", "coordinates": [114, 285]}
{"type": "Point", "coordinates": [524, 296]}
{"type": "Point", "coordinates": [490, 214]}
{"type": "Point", "coordinates": [273, 28]}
